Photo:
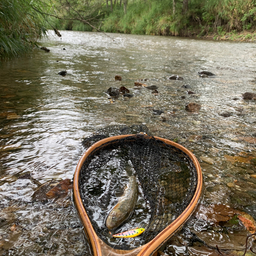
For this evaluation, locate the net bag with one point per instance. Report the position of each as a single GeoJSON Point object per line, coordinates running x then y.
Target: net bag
{"type": "Point", "coordinates": [169, 184]}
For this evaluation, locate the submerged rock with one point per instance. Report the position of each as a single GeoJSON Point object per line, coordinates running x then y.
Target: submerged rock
{"type": "Point", "coordinates": [151, 87]}
{"type": "Point", "coordinates": [193, 107]}
{"type": "Point", "coordinates": [249, 96]}
{"type": "Point", "coordinates": [62, 73]}
{"type": "Point", "coordinates": [128, 95]}
{"type": "Point", "coordinates": [207, 160]}
{"type": "Point", "coordinates": [224, 226]}
{"type": "Point", "coordinates": [205, 73]}
{"type": "Point", "coordinates": [226, 114]}
{"type": "Point", "coordinates": [175, 77]}
{"type": "Point", "coordinates": [186, 86]}
{"type": "Point", "coordinates": [123, 90]}
{"type": "Point", "coordinates": [140, 84]}
{"type": "Point", "coordinates": [157, 112]}
{"type": "Point", "coordinates": [118, 78]}
{"type": "Point", "coordinates": [113, 92]}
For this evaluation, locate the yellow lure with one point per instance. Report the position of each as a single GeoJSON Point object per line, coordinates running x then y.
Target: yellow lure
{"type": "Point", "coordinates": [130, 233]}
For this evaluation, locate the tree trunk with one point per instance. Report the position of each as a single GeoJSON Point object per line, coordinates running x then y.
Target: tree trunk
{"type": "Point", "coordinates": [185, 6]}
{"type": "Point", "coordinates": [173, 7]}
{"type": "Point", "coordinates": [107, 3]}
{"type": "Point", "coordinates": [111, 4]}
{"type": "Point", "coordinates": [125, 6]}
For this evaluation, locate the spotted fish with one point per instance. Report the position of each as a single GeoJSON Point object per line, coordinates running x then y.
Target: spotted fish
{"type": "Point", "coordinates": [130, 233]}
{"type": "Point", "coordinates": [125, 206]}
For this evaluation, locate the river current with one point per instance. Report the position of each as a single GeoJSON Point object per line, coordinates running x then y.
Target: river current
{"type": "Point", "coordinates": [44, 117]}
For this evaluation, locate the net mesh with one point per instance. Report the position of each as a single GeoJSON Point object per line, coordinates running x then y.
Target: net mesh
{"type": "Point", "coordinates": [166, 177]}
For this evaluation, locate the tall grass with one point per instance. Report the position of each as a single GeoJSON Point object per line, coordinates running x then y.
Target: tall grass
{"type": "Point", "coordinates": [142, 17]}
{"type": "Point", "coordinates": [229, 15]}
{"type": "Point", "coordinates": [20, 26]}
{"type": "Point", "coordinates": [203, 17]}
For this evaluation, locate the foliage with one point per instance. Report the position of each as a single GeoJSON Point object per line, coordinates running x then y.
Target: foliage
{"type": "Point", "coordinates": [22, 22]}
{"type": "Point", "coordinates": [203, 17]}
{"type": "Point", "coordinates": [78, 14]}
{"type": "Point", "coordinates": [20, 25]}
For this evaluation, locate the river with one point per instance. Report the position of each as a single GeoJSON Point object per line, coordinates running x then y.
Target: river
{"type": "Point", "coordinates": [45, 116]}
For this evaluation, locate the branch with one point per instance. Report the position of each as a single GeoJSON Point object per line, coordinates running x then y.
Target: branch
{"type": "Point", "coordinates": [71, 19]}
{"type": "Point", "coordinates": [86, 21]}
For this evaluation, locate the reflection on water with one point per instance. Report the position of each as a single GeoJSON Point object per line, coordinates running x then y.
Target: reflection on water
{"type": "Point", "coordinates": [45, 116]}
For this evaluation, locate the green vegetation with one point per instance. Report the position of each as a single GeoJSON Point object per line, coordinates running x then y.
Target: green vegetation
{"type": "Point", "coordinates": [218, 19]}
{"type": "Point", "coordinates": [83, 15]}
{"type": "Point", "coordinates": [187, 18]}
{"type": "Point", "coordinates": [22, 22]}
{"type": "Point", "coordinates": [20, 25]}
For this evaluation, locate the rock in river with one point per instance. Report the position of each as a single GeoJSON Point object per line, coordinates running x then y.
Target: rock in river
{"type": "Point", "coordinates": [113, 92]}
{"type": "Point", "coordinates": [118, 78]}
{"type": "Point", "coordinates": [193, 107]}
{"type": "Point", "coordinates": [205, 73]}
{"type": "Point", "coordinates": [249, 96]}
{"type": "Point", "coordinates": [175, 77]}
{"type": "Point", "coordinates": [62, 73]}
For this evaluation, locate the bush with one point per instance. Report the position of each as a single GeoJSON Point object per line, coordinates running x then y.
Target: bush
{"type": "Point", "coordinates": [21, 25]}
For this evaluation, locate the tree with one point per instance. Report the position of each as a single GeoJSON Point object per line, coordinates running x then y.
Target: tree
{"type": "Point", "coordinates": [185, 6]}
{"type": "Point", "coordinates": [125, 5]}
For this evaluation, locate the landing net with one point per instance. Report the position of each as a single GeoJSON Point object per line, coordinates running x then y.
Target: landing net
{"type": "Point", "coordinates": [166, 177]}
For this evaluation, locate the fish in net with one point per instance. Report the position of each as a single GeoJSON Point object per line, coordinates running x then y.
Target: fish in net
{"type": "Point", "coordinates": [169, 185]}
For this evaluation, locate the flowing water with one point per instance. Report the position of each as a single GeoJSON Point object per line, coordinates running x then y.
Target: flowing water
{"type": "Point", "coordinates": [45, 116]}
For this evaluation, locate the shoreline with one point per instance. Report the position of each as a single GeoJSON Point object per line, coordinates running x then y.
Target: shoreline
{"type": "Point", "coordinates": [245, 36]}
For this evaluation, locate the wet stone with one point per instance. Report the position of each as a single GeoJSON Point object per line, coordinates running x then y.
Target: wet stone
{"type": "Point", "coordinates": [193, 107]}
{"type": "Point", "coordinates": [124, 90]}
{"type": "Point", "coordinates": [175, 77]}
{"type": "Point", "coordinates": [118, 78]}
{"type": "Point", "coordinates": [128, 95]}
{"type": "Point", "coordinates": [186, 86]}
{"type": "Point", "coordinates": [205, 73]}
{"type": "Point", "coordinates": [230, 185]}
{"type": "Point", "coordinates": [113, 92]}
{"type": "Point", "coordinates": [249, 96]}
{"type": "Point", "coordinates": [157, 112]}
{"type": "Point", "coordinates": [63, 73]}
{"type": "Point", "coordinates": [152, 87]}
{"type": "Point", "coordinates": [226, 114]}
{"type": "Point", "coordinates": [140, 84]}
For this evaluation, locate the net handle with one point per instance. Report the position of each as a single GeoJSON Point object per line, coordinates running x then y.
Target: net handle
{"type": "Point", "coordinates": [163, 236]}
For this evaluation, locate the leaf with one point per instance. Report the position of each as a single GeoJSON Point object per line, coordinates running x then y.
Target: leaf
{"type": "Point", "coordinates": [240, 159]}
{"type": "Point", "coordinates": [247, 221]}
{"type": "Point", "coordinates": [251, 140]}
{"type": "Point", "coordinates": [13, 227]}
{"type": "Point", "coordinates": [216, 213]}
{"type": "Point", "coordinates": [60, 190]}
{"type": "Point", "coordinates": [12, 116]}
{"type": "Point", "coordinates": [219, 213]}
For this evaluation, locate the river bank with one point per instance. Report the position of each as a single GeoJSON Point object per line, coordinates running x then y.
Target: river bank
{"type": "Point", "coordinates": [244, 36]}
